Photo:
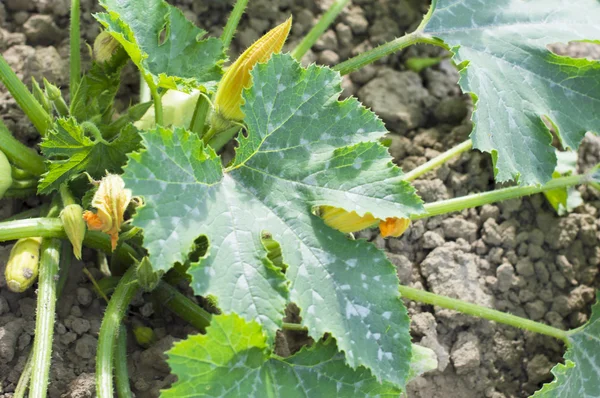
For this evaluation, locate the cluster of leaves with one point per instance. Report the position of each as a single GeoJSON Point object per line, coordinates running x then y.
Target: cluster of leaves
{"type": "Point", "coordinates": [304, 149]}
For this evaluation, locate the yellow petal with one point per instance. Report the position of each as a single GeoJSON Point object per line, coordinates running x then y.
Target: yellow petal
{"type": "Point", "coordinates": [345, 221]}
{"type": "Point", "coordinates": [393, 226]}
{"type": "Point", "coordinates": [228, 99]}
{"type": "Point", "coordinates": [111, 200]}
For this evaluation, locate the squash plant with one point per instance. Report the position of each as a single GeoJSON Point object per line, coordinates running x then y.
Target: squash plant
{"type": "Point", "coordinates": [273, 226]}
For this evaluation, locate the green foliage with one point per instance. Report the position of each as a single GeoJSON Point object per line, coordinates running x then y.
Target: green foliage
{"type": "Point", "coordinates": [95, 94]}
{"type": "Point", "coordinates": [233, 359]}
{"type": "Point", "coordinates": [517, 80]}
{"type": "Point", "coordinates": [307, 151]}
{"type": "Point", "coordinates": [164, 45]}
{"type": "Point", "coordinates": [70, 152]}
{"type": "Point", "coordinates": [578, 376]}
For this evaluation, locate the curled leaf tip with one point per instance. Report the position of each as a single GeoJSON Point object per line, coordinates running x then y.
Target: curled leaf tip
{"type": "Point", "coordinates": [110, 200]}
{"type": "Point", "coordinates": [228, 99]}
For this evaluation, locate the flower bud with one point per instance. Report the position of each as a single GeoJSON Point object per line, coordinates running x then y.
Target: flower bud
{"type": "Point", "coordinates": [40, 96]}
{"type": "Point", "coordinates": [146, 276]}
{"type": "Point", "coordinates": [110, 200]}
{"type": "Point", "coordinates": [5, 174]}
{"type": "Point", "coordinates": [393, 226]}
{"type": "Point", "coordinates": [228, 99]}
{"type": "Point", "coordinates": [345, 221]}
{"type": "Point", "coordinates": [105, 47]}
{"type": "Point", "coordinates": [23, 264]}
{"type": "Point", "coordinates": [52, 91]}
{"type": "Point", "coordinates": [74, 225]}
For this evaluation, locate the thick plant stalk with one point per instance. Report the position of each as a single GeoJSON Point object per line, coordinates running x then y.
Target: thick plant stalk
{"type": "Point", "coordinates": [482, 312]}
{"type": "Point", "coordinates": [438, 160]}
{"type": "Point", "coordinates": [20, 155]}
{"type": "Point", "coordinates": [121, 373]}
{"type": "Point", "coordinates": [25, 377]}
{"type": "Point", "coordinates": [109, 332]}
{"type": "Point", "coordinates": [44, 323]}
{"type": "Point", "coordinates": [232, 23]}
{"type": "Point", "coordinates": [200, 115]}
{"type": "Point", "coordinates": [75, 56]}
{"type": "Point", "coordinates": [326, 19]}
{"type": "Point", "coordinates": [34, 111]}
{"type": "Point", "coordinates": [48, 227]}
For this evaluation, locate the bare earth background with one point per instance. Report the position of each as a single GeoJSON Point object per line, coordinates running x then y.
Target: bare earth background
{"type": "Point", "coordinates": [517, 256]}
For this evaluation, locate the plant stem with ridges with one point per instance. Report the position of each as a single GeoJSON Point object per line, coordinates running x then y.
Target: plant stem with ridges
{"type": "Point", "coordinates": [482, 312]}
{"type": "Point", "coordinates": [121, 373]}
{"type": "Point", "coordinates": [326, 19]}
{"type": "Point", "coordinates": [498, 195]}
{"type": "Point", "coordinates": [44, 323]}
{"type": "Point", "coordinates": [438, 160]}
{"type": "Point", "coordinates": [74, 42]}
{"type": "Point", "coordinates": [34, 111]}
{"type": "Point", "coordinates": [20, 155]}
{"type": "Point", "coordinates": [109, 332]}
{"type": "Point", "coordinates": [232, 23]}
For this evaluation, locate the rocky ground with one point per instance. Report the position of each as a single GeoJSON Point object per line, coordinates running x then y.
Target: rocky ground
{"type": "Point", "coordinates": [517, 256]}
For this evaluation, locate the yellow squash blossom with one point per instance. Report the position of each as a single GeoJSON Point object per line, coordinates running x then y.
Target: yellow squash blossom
{"type": "Point", "coordinates": [347, 222]}
{"type": "Point", "coordinates": [110, 200]}
{"type": "Point", "coordinates": [228, 99]}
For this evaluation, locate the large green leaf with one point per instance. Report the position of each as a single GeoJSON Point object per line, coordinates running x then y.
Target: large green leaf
{"type": "Point", "coordinates": [579, 377]}
{"type": "Point", "coordinates": [165, 46]}
{"type": "Point", "coordinates": [517, 80]}
{"type": "Point", "coordinates": [70, 152]}
{"type": "Point", "coordinates": [303, 149]}
{"type": "Point", "coordinates": [234, 360]}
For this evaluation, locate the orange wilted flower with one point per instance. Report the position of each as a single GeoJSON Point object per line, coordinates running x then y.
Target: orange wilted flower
{"type": "Point", "coordinates": [393, 226]}
{"type": "Point", "coordinates": [228, 99]}
{"type": "Point", "coordinates": [110, 200]}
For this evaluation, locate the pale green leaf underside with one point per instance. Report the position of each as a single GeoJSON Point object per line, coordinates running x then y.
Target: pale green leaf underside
{"type": "Point", "coordinates": [579, 377]}
{"type": "Point", "coordinates": [233, 360]}
{"type": "Point", "coordinates": [311, 150]}
{"type": "Point", "coordinates": [165, 46]}
{"type": "Point", "coordinates": [70, 152]}
{"type": "Point", "coordinates": [518, 80]}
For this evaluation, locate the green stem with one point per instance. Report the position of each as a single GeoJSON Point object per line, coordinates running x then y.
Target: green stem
{"type": "Point", "coordinates": [66, 196]}
{"type": "Point", "coordinates": [24, 184]}
{"type": "Point", "coordinates": [182, 306]}
{"type": "Point", "coordinates": [61, 106]}
{"type": "Point", "coordinates": [438, 160]}
{"type": "Point", "coordinates": [427, 16]}
{"type": "Point", "coordinates": [66, 259]}
{"type": "Point", "coordinates": [200, 113]}
{"type": "Point", "coordinates": [480, 199]}
{"type": "Point", "coordinates": [220, 140]}
{"type": "Point", "coordinates": [48, 227]}
{"type": "Point", "coordinates": [109, 332]}
{"type": "Point", "coordinates": [191, 312]}
{"type": "Point", "coordinates": [121, 373]}
{"type": "Point", "coordinates": [232, 23]}
{"type": "Point", "coordinates": [34, 111]}
{"type": "Point", "coordinates": [386, 49]}
{"type": "Point", "coordinates": [44, 323]}
{"type": "Point", "coordinates": [158, 108]}
{"type": "Point", "coordinates": [75, 56]}
{"type": "Point", "coordinates": [482, 312]}
{"type": "Point", "coordinates": [326, 19]}
{"type": "Point", "coordinates": [19, 174]}
{"type": "Point", "coordinates": [20, 155]}
{"type": "Point", "coordinates": [23, 383]}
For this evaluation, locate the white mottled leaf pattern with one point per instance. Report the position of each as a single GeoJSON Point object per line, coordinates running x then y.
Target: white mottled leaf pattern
{"type": "Point", "coordinates": [517, 80]}
{"type": "Point", "coordinates": [303, 149]}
